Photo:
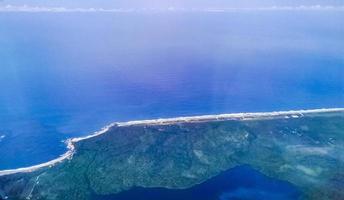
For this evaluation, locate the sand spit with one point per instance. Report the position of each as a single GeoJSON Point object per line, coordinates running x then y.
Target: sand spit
{"type": "Point", "coordinates": [232, 116]}
{"type": "Point", "coordinates": [166, 121]}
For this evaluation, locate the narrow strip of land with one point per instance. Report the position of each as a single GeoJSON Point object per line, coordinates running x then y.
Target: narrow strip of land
{"type": "Point", "coordinates": [166, 121]}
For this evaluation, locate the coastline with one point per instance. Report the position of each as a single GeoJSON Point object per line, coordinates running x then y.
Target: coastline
{"type": "Point", "coordinates": [165, 121]}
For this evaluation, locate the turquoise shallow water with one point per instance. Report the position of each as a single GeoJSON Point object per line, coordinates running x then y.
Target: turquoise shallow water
{"type": "Point", "coordinates": [66, 75]}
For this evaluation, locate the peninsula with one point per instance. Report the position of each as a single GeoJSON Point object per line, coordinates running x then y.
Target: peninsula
{"type": "Point", "coordinates": [302, 147]}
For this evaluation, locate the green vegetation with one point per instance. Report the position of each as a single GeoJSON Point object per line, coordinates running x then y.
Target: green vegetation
{"type": "Point", "coordinates": [307, 151]}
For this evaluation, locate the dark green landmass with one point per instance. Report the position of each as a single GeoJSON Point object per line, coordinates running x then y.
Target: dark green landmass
{"type": "Point", "coordinates": [307, 151]}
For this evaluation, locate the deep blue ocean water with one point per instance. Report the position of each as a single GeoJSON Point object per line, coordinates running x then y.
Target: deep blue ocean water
{"type": "Point", "coordinates": [68, 74]}
{"type": "Point", "coordinates": [239, 183]}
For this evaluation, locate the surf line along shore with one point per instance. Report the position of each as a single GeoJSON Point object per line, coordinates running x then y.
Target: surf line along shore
{"type": "Point", "coordinates": [166, 121]}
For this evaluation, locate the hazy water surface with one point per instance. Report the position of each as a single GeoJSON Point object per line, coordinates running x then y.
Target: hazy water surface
{"type": "Point", "coordinates": [68, 74]}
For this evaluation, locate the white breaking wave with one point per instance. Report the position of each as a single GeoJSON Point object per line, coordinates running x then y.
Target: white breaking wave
{"type": "Point", "coordinates": [26, 8]}
{"type": "Point", "coordinates": [2, 137]}
{"type": "Point", "coordinates": [164, 121]}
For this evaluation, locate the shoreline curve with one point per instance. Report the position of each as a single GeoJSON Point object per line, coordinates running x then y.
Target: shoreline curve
{"type": "Point", "coordinates": [165, 121]}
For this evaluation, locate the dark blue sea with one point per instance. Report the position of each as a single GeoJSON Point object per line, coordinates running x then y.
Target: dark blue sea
{"type": "Point", "coordinates": [68, 74]}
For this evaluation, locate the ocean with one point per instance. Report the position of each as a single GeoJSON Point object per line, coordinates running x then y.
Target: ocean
{"type": "Point", "coordinates": [65, 75]}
